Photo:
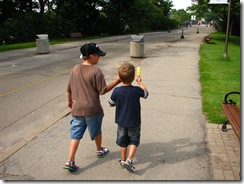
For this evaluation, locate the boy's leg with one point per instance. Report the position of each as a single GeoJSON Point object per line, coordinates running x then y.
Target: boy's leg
{"type": "Point", "coordinates": [94, 124]}
{"type": "Point", "coordinates": [77, 129]}
{"type": "Point", "coordinates": [123, 151]}
{"type": "Point", "coordinates": [70, 164]}
{"type": "Point", "coordinates": [101, 151]}
{"type": "Point", "coordinates": [73, 148]}
{"type": "Point", "coordinates": [132, 151]}
{"type": "Point", "coordinates": [128, 164]}
{"type": "Point", "coordinates": [98, 141]}
{"type": "Point", "coordinates": [134, 136]}
{"type": "Point", "coordinates": [122, 141]}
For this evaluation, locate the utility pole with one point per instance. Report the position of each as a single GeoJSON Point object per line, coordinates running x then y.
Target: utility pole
{"type": "Point", "coordinates": [227, 32]}
{"type": "Point", "coordinates": [228, 22]}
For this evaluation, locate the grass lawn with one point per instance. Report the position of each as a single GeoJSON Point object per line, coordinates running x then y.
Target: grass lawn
{"type": "Point", "coordinates": [219, 75]}
{"type": "Point", "coordinates": [15, 46]}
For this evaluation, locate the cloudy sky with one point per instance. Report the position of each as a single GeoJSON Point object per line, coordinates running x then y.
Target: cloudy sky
{"type": "Point", "coordinates": [181, 4]}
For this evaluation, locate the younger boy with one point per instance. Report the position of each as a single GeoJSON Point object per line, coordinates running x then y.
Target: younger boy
{"type": "Point", "coordinates": [126, 98]}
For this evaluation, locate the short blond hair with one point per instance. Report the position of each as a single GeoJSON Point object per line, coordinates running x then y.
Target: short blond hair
{"type": "Point", "coordinates": [126, 73]}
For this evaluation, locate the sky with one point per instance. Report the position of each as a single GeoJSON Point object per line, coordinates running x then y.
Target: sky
{"type": "Point", "coordinates": [181, 4]}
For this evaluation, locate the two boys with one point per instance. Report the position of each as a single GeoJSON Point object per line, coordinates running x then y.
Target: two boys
{"type": "Point", "coordinates": [87, 83]}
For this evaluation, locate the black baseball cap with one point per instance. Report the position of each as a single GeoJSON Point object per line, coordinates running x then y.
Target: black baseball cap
{"type": "Point", "coordinates": [91, 48]}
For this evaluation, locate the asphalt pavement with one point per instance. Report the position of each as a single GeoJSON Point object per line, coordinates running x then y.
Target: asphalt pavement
{"type": "Point", "coordinates": [177, 142]}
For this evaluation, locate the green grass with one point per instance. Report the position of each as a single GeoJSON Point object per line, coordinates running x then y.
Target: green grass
{"type": "Point", "coordinates": [15, 46]}
{"type": "Point", "coordinates": [219, 75]}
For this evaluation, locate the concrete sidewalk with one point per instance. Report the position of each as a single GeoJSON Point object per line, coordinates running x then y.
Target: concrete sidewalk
{"type": "Point", "coordinates": [177, 143]}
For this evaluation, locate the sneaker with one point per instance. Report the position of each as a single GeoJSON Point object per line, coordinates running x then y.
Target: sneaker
{"type": "Point", "coordinates": [129, 166]}
{"type": "Point", "coordinates": [102, 153]}
{"type": "Point", "coordinates": [122, 164]}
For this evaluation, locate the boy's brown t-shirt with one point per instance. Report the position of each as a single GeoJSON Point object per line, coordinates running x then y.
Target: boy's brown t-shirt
{"type": "Point", "coordinates": [86, 83]}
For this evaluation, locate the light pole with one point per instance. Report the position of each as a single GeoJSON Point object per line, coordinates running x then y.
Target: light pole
{"type": "Point", "coordinates": [227, 32]}
{"type": "Point", "coordinates": [228, 22]}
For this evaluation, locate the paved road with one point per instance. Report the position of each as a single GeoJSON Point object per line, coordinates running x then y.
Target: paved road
{"type": "Point", "coordinates": [33, 86]}
{"type": "Point", "coordinates": [173, 140]}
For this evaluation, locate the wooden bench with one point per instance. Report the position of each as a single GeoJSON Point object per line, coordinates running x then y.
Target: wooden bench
{"type": "Point", "coordinates": [232, 112]}
{"type": "Point", "coordinates": [207, 39]}
{"type": "Point", "coordinates": [76, 35]}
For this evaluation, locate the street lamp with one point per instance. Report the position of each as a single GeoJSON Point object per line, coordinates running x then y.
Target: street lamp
{"type": "Point", "coordinates": [227, 32]}
{"type": "Point", "coordinates": [228, 22]}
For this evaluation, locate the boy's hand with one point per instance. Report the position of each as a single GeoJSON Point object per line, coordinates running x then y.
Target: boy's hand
{"type": "Point", "coordinates": [138, 78]}
{"type": "Point", "coordinates": [70, 104]}
{"type": "Point", "coordinates": [117, 79]}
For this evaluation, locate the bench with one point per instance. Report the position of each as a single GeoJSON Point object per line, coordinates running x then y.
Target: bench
{"type": "Point", "coordinates": [232, 112]}
{"type": "Point", "coordinates": [76, 35]}
{"type": "Point", "coordinates": [207, 39]}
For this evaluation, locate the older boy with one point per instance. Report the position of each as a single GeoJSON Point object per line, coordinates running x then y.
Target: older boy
{"type": "Point", "coordinates": [86, 83]}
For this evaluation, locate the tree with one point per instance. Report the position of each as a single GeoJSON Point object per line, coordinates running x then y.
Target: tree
{"type": "Point", "coordinates": [58, 18]}
{"type": "Point", "coordinates": [202, 8]}
{"type": "Point", "coordinates": [7, 9]}
{"type": "Point", "coordinates": [117, 14]}
{"type": "Point", "coordinates": [180, 16]}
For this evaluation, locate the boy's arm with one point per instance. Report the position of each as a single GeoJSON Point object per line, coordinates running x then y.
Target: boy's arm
{"type": "Point", "coordinates": [111, 103]}
{"type": "Point", "coordinates": [70, 102]}
{"type": "Point", "coordinates": [113, 84]}
{"type": "Point", "coordinates": [142, 86]}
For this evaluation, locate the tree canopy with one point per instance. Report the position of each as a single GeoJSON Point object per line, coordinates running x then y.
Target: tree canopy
{"type": "Point", "coordinates": [218, 13]}
{"type": "Point", "coordinates": [21, 20]}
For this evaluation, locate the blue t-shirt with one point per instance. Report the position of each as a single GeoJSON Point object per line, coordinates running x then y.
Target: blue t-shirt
{"type": "Point", "coordinates": [127, 102]}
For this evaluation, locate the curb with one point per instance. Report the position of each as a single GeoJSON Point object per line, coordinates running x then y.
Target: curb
{"type": "Point", "coordinates": [14, 148]}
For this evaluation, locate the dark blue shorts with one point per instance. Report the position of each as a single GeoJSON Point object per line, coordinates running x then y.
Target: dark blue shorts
{"type": "Point", "coordinates": [128, 136]}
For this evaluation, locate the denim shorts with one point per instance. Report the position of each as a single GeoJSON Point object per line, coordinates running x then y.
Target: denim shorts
{"type": "Point", "coordinates": [78, 125]}
{"type": "Point", "coordinates": [128, 136]}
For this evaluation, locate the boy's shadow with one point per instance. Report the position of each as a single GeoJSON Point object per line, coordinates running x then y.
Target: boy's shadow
{"type": "Point", "coordinates": [176, 151]}
{"type": "Point", "coordinates": [155, 154]}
